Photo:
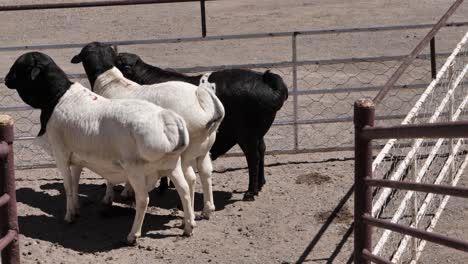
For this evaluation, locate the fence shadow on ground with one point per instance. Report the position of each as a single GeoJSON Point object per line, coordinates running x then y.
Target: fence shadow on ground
{"type": "Point", "coordinates": [99, 228]}
{"type": "Point", "coordinates": [317, 238]}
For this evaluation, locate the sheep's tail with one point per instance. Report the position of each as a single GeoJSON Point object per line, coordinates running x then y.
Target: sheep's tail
{"type": "Point", "coordinates": [279, 88]}
{"type": "Point", "coordinates": [175, 131]}
{"type": "Point", "coordinates": [210, 103]}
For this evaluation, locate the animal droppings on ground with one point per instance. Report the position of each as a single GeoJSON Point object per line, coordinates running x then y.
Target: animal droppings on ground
{"type": "Point", "coordinates": [313, 178]}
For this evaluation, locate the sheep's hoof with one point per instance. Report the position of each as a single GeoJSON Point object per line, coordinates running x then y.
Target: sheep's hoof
{"type": "Point", "coordinates": [188, 233]}
{"type": "Point", "coordinates": [70, 219]}
{"type": "Point", "coordinates": [249, 196]}
{"type": "Point", "coordinates": [207, 213]}
{"type": "Point", "coordinates": [131, 241]}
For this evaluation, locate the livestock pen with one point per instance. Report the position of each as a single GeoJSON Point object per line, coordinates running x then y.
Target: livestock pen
{"type": "Point", "coordinates": [316, 119]}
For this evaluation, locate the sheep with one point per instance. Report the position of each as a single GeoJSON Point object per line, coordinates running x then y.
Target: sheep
{"type": "Point", "coordinates": [200, 108]}
{"type": "Point", "coordinates": [121, 140]}
{"type": "Point", "coordinates": [250, 99]}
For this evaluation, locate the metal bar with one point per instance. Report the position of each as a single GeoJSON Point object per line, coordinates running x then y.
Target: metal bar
{"type": "Point", "coordinates": [6, 240]}
{"type": "Point", "coordinates": [89, 4]}
{"type": "Point", "coordinates": [226, 37]}
{"type": "Point", "coordinates": [4, 199]}
{"type": "Point", "coordinates": [420, 187]}
{"type": "Point", "coordinates": [364, 112]}
{"type": "Point", "coordinates": [421, 234]}
{"type": "Point", "coordinates": [407, 61]}
{"type": "Point", "coordinates": [203, 17]}
{"type": "Point", "coordinates": [433, 59]}
{"type": "Point", "coordinates": [295, 98]}
{"type": "Point", "coordinates": [456, 129]}
{"type": "Point", "coordinates": [4, 150]}
{"type": "Point", "coordinates": [8, 214]}
{"type": "Point", "coordinates": [374, 258]}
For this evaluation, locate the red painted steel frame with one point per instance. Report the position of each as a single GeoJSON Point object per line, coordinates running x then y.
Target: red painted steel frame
{"type": "Point", "coordinates": [9, 245]}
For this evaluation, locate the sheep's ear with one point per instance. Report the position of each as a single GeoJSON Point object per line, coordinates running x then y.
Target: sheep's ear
{"type": "Point", "coordinates": [76, 59]}
{"type": "Point", "coordinates": [34, 73]}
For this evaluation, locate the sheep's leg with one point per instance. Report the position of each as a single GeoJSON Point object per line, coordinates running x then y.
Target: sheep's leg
{"type": "Point", "coordinates": [127, 192]}
{"type": "Point", "coordinates": [75, 174]}
{"type": "Point", "coordinates": [163, 185]}
{"type": "Point", "coordinates": [138, 183]}
{"type": "Point", "coordinates": [177, 177]}
{"type": "Point", "coordinates": [261, 165]}
{"type": "Point", "coordinates": [205, 169]}
{"type": "Point", "coordinates": [191, 179]}
{"type": "Point", "coordinates": [68, 186]}
{"type": "Point", "coordinates": [253, 157]}
{"type": "Point", "coordinates": [109, 196]}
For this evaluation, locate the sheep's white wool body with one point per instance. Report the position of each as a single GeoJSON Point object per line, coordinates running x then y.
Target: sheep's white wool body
{"type": "Point", "coordinates": [197, 105]}
{"type": "Point", "coordinates": [104, 135]}
{"type": "Point", "coordinates": [123, 140]}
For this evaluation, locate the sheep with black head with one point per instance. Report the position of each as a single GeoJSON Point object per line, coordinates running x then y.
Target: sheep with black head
{"type": "Point", "coordinates": [198, 105]}
{"type": "Point", "coordinates": [122, 140]}
{"type": "Point", "coordinates": [251, 100]}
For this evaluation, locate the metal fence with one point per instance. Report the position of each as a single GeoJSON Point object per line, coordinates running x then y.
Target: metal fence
{"type": "Point", "coordinates": [322, 92]}
{"type": "Point", "coordinates": [9, 245]}
{"type": "Point", "coordinates": [365, 133]}
{"type": "Point", "coordinates": [416, 158]}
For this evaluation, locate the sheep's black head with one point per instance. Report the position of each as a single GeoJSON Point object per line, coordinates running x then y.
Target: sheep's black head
{"type": "Point", "coordinates": [97, 58]}
{"type": "Point", "coordinates": [126, 63]}
{"type": "Point", "coordinates": [37, 78]}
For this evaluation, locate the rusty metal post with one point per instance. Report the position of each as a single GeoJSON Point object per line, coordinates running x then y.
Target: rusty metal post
{"type": "Point", "coordinates": [364, 113]}
{"type": "Point", "coordinates": [433, 59]}
{"type": "Point", "coordinates": [203, 17]}
{"type": "Point", "coordinates": [10, 254]}
{"type": "Point", "coordinates": [295, 99]}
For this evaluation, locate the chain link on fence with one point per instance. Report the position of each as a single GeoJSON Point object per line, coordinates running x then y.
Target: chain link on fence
{"type": "Point", "coordinates": [317, 116]}
{"type": "Point", "coordinates": [325, 96]}
{"type": "Point", "coordinates": [434, 161]}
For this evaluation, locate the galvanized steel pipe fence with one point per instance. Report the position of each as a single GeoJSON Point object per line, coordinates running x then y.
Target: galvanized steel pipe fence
{"type": "Point", "coordinates": [322, 91]}
{"type": "Point", "coordinates": [420, 156]}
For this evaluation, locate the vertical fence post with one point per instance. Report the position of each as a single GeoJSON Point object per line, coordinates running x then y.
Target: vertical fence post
{"type": "Point", "coordinates": [10, 255]}
{"type": "Point", "coordinates": [116, 48]}
{"type": "Point", "coordinates": [295, 102]}
{"type": "Point", "coordinates": [450, 118]}
{"type": "Point", "coordinates": [415, 210]}
{"type": "Point", "coordinates": [364, 113]}
{"type": "Point", "coordinates": [203, 17]}
{"type": "Point", "coordinates": [433, 59]}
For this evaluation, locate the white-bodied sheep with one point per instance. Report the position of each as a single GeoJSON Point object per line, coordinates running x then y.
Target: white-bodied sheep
{"type": "Point", "coordinates": [199, 106]}
{"type": "Point", "coordinates": [122, 140]}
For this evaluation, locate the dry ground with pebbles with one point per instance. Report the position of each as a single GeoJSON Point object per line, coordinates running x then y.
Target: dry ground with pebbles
{"type": "Point", "coordinates": [304, 212]}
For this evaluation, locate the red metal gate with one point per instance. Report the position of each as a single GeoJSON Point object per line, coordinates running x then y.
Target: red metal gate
{"type": "Point", "coordinates": [9, 245]}
{"type": "Point", "coordinates": [365, 133]}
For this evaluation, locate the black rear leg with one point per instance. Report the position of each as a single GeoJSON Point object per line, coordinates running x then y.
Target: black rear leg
{"type": "Point", "coordinates": [252, 155]}
{"type": "Point", "coordinates": [261, 164]}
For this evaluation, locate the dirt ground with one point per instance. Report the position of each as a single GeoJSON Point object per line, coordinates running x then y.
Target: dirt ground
{"type": "Point", "coordinates": [304, 213]}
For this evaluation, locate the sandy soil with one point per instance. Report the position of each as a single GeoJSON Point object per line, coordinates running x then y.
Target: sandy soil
{"type": "Point", "coordinates": [304, 213]}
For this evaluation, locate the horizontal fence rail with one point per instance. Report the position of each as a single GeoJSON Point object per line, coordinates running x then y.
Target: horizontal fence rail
{"type": "Point", "coordinates": [301, 121]}
{"type": "Point", "coordinates": [89, 4]}
{"type": "Point", "coordinates": [365, 132]}
{"type": "Point", "coordinates": [407, 61]}
{"type": "Point", "coordinates": [232, 37]}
